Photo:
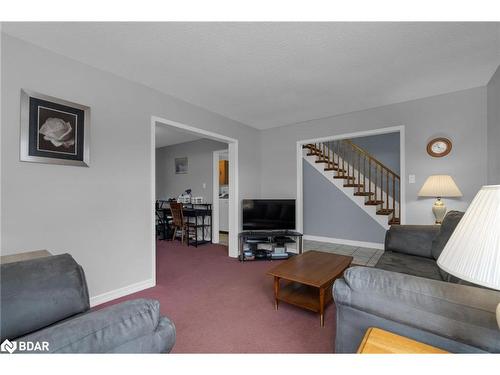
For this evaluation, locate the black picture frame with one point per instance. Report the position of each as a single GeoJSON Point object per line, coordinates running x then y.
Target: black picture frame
{"type": "Point", "coordinates": [53, 130]}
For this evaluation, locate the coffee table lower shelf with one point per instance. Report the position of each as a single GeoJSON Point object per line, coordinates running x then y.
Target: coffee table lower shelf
{"type": "Point", "coordinates": [302, 295]}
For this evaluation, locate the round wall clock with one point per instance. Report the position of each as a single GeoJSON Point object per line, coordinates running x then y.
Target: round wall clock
{"type": "Point", "coordinates": [439, 147]}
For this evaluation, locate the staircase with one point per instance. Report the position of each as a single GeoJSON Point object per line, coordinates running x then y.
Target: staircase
{"type": "Point", "coordinates": [368, 182]}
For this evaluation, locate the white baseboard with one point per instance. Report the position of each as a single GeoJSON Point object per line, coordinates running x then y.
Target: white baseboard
{"type": "Point", "coordinates": [120, 292]}
{"type": "Point", "coordinates": [372, 245]}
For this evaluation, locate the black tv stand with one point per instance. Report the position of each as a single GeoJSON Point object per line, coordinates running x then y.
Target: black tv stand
{"type": "Point", "coordinates": [272, 237]}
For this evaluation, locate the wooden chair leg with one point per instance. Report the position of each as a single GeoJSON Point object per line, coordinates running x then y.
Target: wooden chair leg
{"type": "Point", "coordinates": [173, 236]}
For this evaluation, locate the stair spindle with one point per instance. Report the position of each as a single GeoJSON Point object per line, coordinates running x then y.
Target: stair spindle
{"type": "Point", "coordinates": [335, 151]}
{"type": "Point", "coordinates": [387, 190]}
{"type": "Point", "coordinates": [399, 200]}
{"type": "Point", "coordinates": [381, 188]}
{"type": "Point", "coordinates": [370, 177]}
{"type": "Point", "coordinates": [359, 168]}
{"type": "Point", "coordinates": [329, 156]}
{"type": "Point", "coordinates": [351, 163]}
{"type": "Point", "coordinates": [376, 183]}
{"type": "Point", "coordinates": [338, 156]}
{"type": "Point", "coordinates": [393, 196]}
{"type": "Point", "coordinates": [343, 158]}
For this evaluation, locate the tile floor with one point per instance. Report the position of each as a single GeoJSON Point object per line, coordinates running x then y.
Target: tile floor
{"type": "Point", "coordinates": [363, 256]}
{"type": "Point", "coordinates": [223, 240]}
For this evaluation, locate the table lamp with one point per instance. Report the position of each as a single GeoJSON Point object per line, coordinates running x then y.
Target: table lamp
{"type": "Point", "coordinates": [439, 186]}
{"type": "Point", "coordinates": [473, 251]}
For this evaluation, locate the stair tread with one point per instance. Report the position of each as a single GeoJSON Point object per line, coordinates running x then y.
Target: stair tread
{"type": "Point", "coordinates": [345, 177]}
{"type": "Point", "coordinates": [385, 211]}
{"type": "Point", "coordinates": [363, 194]}
{"type": "Point", "coordinates": [373, 202]}
{"type": "Point", "coordinates": [353, 185]}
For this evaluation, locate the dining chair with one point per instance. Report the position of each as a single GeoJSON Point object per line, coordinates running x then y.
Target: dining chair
{"type": "Point", "coordinates": [179, 222]}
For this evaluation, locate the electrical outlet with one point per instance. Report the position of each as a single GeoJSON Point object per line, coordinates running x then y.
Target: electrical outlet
{"type": "Point", "coordinates": [411, 179]}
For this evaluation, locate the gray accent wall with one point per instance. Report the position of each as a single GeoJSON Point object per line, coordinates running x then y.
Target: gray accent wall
{"type": "Point", "coordinates": [460, 115]}
{"type": "Point", "coordinates": [101, 215]}
{"type": "Point", "coordinates": [383, 147]}
{"type": "Point", "coordinates": [200, 169]}
{"type": "Point", "coordinates": [328, 212]}
{"type": "Point", "coordinates": [493, 90]}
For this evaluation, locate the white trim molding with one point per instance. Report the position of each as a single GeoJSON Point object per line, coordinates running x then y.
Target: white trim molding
{"type": "Point", "coordinates": [215, 195]}
{"type": "Point", "coordinates": [234, 208]}
{"type": "Point", "coordinates": [120, 292]}
{"type": "Point", "coordinates": [234, 200]}
{"type": "Point", "coordinates": [372, 245]}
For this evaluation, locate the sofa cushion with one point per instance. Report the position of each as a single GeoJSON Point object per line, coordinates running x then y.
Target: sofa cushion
{"type": "Point", "coordinates": [447, 227]}
{"type": "Point", "coordinates": [449, 224]}
{"type": "Point", "coordinates": [39, 292]}
{"type": "Point", "coordinates": [108, 329]}
{"type": "Point", "coordinates": [409, 264]}
{"type": "Point", "coordinates": [411, 239]}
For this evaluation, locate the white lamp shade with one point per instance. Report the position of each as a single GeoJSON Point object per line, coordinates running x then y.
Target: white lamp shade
{"type": "Point", "coordinates": [439, 185]}
{"type": "Point", "coordinates": [473, 251]}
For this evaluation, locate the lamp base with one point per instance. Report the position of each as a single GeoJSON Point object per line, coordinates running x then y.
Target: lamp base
{"type": "Point", "coordinates": [439, 210]}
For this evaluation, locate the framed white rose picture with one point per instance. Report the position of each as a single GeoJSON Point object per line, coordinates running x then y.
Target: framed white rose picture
{"type": "Point", "coordinates": [54, 131]}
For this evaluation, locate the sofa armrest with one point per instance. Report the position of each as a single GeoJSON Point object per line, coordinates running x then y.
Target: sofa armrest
{"type": "Point", "coordinates": [39, 292]}
{"type": "Point", "coordinates": [411, 239]}
{"type": "Point", "coordinates": [162, 340]}
{"type": "Point", "coordinates": [456, 312]}
{"type": "Point", "coordinates": [132, 326]}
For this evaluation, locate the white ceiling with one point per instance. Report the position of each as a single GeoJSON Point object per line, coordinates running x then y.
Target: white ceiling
{"type": "Point", "coordinates": [167, 136]}
{"type": "Point", "coordinates": [272, 74]}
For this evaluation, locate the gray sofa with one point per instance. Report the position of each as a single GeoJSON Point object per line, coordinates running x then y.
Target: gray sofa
{"type": "Point", "coordinates": [406, 293]}
{"type": "Point", "coordinates": [414, 249]}
{"type": "Point", "coordinates": [46, 300]}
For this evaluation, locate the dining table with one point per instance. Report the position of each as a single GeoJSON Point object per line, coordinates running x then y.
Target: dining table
{"type": "Point", "coordinates": [199, 214]}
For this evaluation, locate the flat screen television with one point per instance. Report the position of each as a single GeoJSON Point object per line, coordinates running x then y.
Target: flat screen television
{"type": "Point", "coordinates": [268, 214]}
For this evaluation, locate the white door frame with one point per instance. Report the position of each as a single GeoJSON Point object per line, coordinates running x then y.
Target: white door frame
{"type": "Point", "coordinates": [393, 129]}
{"type": "Point", "coordinates": [234, 210]}
{"type": "Point", "coordinates": [215, 195]}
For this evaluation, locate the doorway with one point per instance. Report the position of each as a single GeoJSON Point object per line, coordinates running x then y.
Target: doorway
{"type": "Point", "coordinates": [232, 151]}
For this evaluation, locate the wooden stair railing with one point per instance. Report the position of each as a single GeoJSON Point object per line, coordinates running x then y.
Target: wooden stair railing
{"type": "Point", "coordinates": [365, 174]}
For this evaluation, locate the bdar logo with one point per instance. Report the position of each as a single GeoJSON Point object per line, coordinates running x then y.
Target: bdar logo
{"type": "Point", "coordinates": [8, 346]}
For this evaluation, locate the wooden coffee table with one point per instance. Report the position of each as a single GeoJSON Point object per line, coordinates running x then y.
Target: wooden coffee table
{"type": "Point", "coordinates": [310, 277]}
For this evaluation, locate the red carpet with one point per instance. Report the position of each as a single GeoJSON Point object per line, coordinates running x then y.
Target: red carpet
{"type": "Point", "coordinates": [220, 305]}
